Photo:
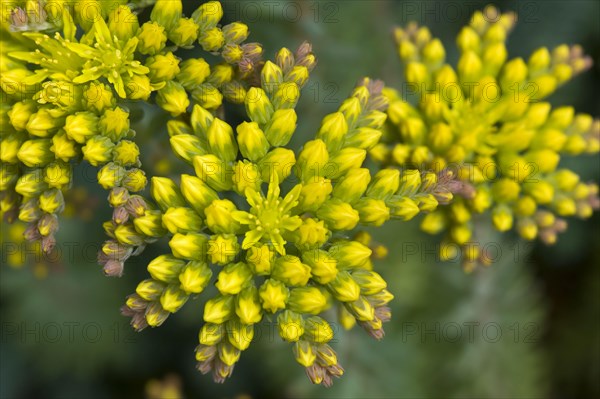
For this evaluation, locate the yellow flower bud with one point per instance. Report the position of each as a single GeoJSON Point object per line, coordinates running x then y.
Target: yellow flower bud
{"type": "Point", "coordinates": [31, 183]}
{"type": "Point", "coordinates": [166, 12]}
{"type": "Point", "coordinates": [150, 224]}
{"type": "Point", "coordinates": [181, 220]}
{"type": "Point", "coordinates": [134, 180]}
{"type": "Point", "coordinates": [30, 211]}
{"type": "Point", "coordinates": [312, 161]}
{"type": "Point", "coordinates": [541, 191]}
{"type": "Point", "coordinates": [291, 271]}
{"type": "Point", "coordinates": [166, 193]}
{"type": "Point", "coordinates": [469, 67]}
{"type": "Point", "coordinates": [310, 234]}
{"type": "Point", "coordinates": [373, 212]}
{"type": "Point", "coordinates": [290, 325]}
{"type": "Point", "coordinates": [194, 277]}
{"type": "Point", "coordinates": [273, 295]}
{"type": "Point", "coordinates": [156, 315]}
{"type": "Point", "coordinates": [370, 282]}
{"type": "Point", "coordinates": [188, 246]}
{"type": "Point", "coordinates": [163, 67]}
{"type": "Point", "coordinates": [208, 14]}
{"type": "Point", "coordinates": [219, 309]}
{"type": "Point", "coordinates": [152, 38]}
{"type": "Point", "coordinates": [20, 113]}
{"type": "Point", "coordinates": [433, 52]}
{"type": "Point", "coordinates": [212, 39]}
{"type": "Point", "coordinates": [271, 77]}
{"type": "Point", "coordinates": [219, 217]}
{"type": "Point", "coordinates": [350, 254]}
{"type": "Point", "coordinates": [259, 259]}
{"type": "Point", "coordinates": [51, 201]}
{"type": "Point", "coordinates": [403, 208]}
{"type": "Point", "coordinates": [280, 161]}
{"type": "Point", "coordinates": [193, 72]}
{"type": "Point", "coordinates": [468, 39]}
{"type": "Point", "coordinates": [323, 266]}
{"type": "Point", "coordinates": [10, 148]}
{"type": "Point", "coordinates": [150, 290]}
{"type": "Point", "coordinates": [318, 329]}
{"type": "Point", "coordinates": [505, 190]}
{"type": "Point", "coordinates": [211, 334]}
{"type": "Point", "coordinates": [416, 73]}
{"type": "Point", "coordinates": [173, 98]}
{"type": "Point", "coordinates": [514, 71]}
{"type": "Point", "coordinates": [173, 298]}
{"type": "Point", "coordinates": [314, 193]}
{"type": "Point", "coordinates": [233, 278]}
{"type": "Point", "coordinates": [221, 141]}
{"type": "Point", "coordinates": [286, 96]}
{"type": "Point", "coordinates": [114, 123]}
{"type": "Point", "coordinates": [338, 215]}
{"type": "Point", "coordinates": [307, 300]}
{"type": "Point", "coordinates": [565, 206]}
{"type": "Point", "coordinates": [252, 141]}
{"type": "Point", "coordinates": [239, 334]}
{"type": "Point", "coordinates": [281, 127]}
{"type": "Point", "coordinates": [247, 306]}
{"type": "Point", "coordinates": [384, 184]}
{"type": "Point", "coordinates": [433, 223]}
{"type": "Point", "coordinates": [110, 175]}
{"type": "Point", "coordinates": [304, 353]}
{"type": "Point", "coordinates": [333, 131]}
{"type": "Point", "coordinates": [502, 218]}
{"type": "Point", "coordinates": [539, 60]}
{"type": "Point", "coordinates": [81, 126]}
{"type": "Point", "coordinates": [344, 287]}
{"type": "Point", "coordinates": [185, 33]}
{"type": "Point", "coordinates": [345, 160]}
{"type": "Point", "coordinates": [298, 74]}
{"type": "Point", "coordinates": [460, 234]}
{"type": "Point", "coordinates": [138, 87]}
{"type": "Point", "coordinates": [525, 206]}
{"type": "Point", "coordinates": [258, 106]}
{"type": "Point", "coordinates": [197, 193]}
{"type": "Point", "coordinates": [235, 32]}
{"type": "Point", "coordinates": [352, 185]}
{"type": "Point", "coordinates": [98, 150]}
{"type": "Point", "coordinates": [43, 123]}
{"type": "Point", "coordinates": [546, 161]}
{"type": "Point", "coordinates": [126, 153]}
{"type": "Point", "coordinates": [36, 153]}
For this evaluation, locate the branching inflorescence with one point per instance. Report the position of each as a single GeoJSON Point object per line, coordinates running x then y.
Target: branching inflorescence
{"type": "Point", "coordinates": [269, 224]}
{"type": "Point", "coordinates": [486, 122]}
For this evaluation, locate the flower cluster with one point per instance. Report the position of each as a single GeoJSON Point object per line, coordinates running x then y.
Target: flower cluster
{"type": "Point", "coordinates": [71, 72]}
{"type": "Point", "coordinates": [268, 225]}
{"type": "Point", "coordinates": [486, 121]}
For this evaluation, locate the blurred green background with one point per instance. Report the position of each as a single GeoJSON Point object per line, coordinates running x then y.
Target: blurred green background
{"type": "Point", "coordinates": [527, 327]}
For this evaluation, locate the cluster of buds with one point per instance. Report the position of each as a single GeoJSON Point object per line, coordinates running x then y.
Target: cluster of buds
{"type": "Point", "coordinates": [486, 121]}
{"type": "Point", "coordinates": [269, 226]}
{"type": "Point", "coordinates": [64, 93]}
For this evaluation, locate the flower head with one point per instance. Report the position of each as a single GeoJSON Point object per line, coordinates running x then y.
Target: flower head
{"type": "Point", "coordinates": [270, 224]}
{"type": "Point", "coordinates": [486, 120]}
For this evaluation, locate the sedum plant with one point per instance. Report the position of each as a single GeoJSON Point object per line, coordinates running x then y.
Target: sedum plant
{"type": "Point", "coordinates": [275, 229]}
{"type": "Point", "coordinates": [486, 120]}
